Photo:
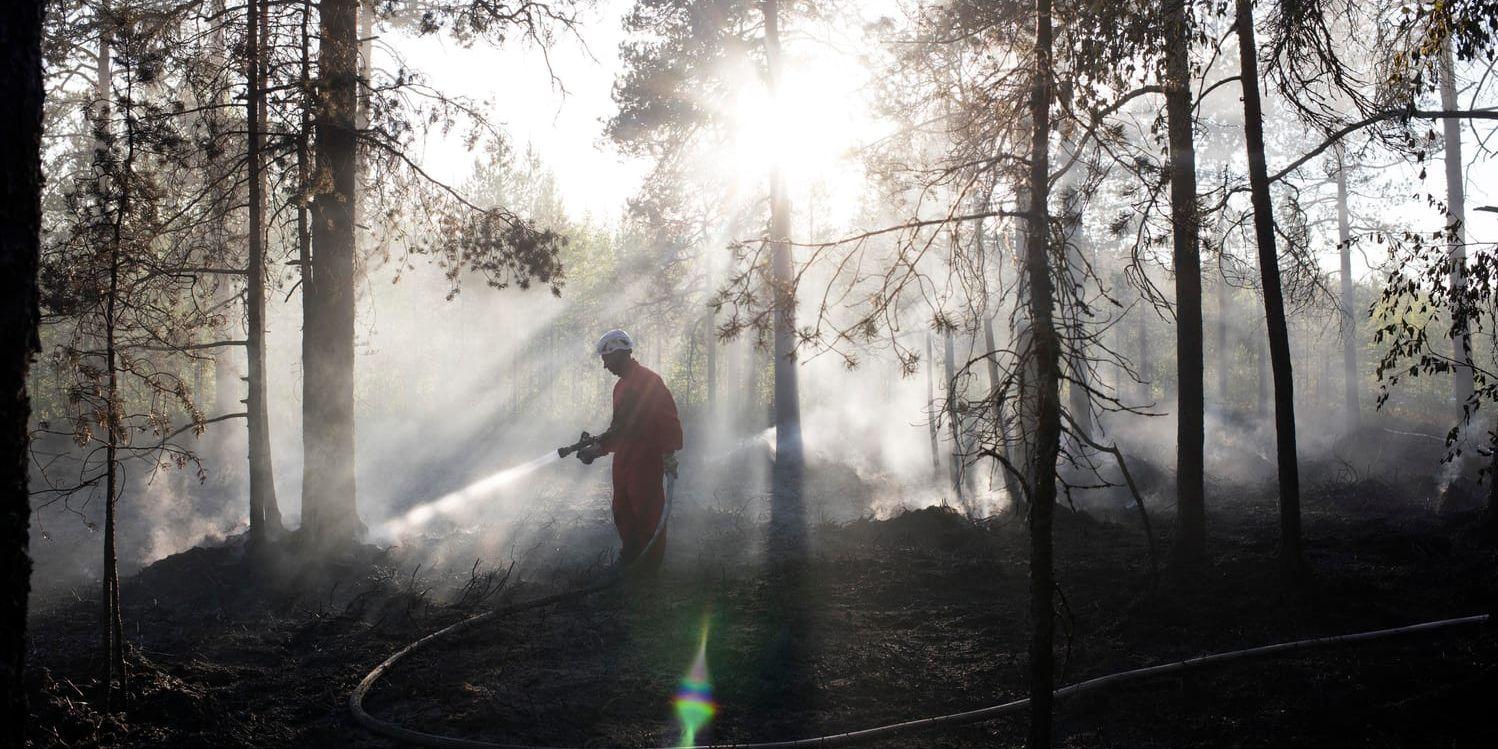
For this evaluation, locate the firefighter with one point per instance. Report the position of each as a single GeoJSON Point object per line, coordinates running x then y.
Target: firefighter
{"type": "Point", "coordinates": [643, 437]}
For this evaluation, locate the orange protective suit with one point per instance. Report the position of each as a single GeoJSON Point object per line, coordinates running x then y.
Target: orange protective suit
{"type": "Point", "coordinates": [644, 429]}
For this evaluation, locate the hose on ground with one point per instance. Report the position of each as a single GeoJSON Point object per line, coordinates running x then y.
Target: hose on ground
{"type": "Point", "coordinates": [391, 730]}
{"type": "Point", "coordinates": [421, 738]}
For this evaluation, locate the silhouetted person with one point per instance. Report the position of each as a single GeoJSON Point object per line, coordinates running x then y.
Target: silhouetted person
{"type": "Point", "coordinates": [643, 437]}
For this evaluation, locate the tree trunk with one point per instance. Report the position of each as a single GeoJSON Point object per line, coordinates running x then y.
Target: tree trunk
{"type": "Point", "coordinates": [1079, 399]}
{"type": "Point", "coordinates": [1000, 400]}
{"type": "Point", "coordinates": [366, 13]}
{"type": "Point", "coordinates": [1044, 350]}
{"type": "Point", "coordinates": [109, 621]}
{"type": "Point", "coordinates": [1224, 356]}
{"type": "Point", "coordinates": [329, 508]}
{"type": "Point", "coordinates": [1292, 561]}
{"type": "Point", "coordinates": [1261, 367]}
{"type": "Point", "coordinates": [20, 249]}
{"type": "Point", "coordinates": [265, 512]}
{"type": "Point", "coordinates": [931, 415]}
{"type": "Point", "coordinates": [1141, 333]}
{"type": "Point", "coordinates": [733, 386]}
{"type": "Point", "coordinates": [954, 425]}
{"type": "Point", "coordinates": [1191, 544]}
{"type": "Point", "coordinates": [111, 629]}
{"type": "Point", "coordinates": [788, 510]}
{"type": "Point", "coordinates": [303, 223]}
{"type": "Point", "coordinates": [949, 403]}
{"type": "Point", "coordinates": [710, 347]}
{"type": "Point", "coordinates": [752, 413]}
{"type": "Point", "coordinates": [1456, 244]}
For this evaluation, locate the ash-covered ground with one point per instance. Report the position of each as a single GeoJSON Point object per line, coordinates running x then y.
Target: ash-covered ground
{"type": "Point", "coordinates": [918, 614]}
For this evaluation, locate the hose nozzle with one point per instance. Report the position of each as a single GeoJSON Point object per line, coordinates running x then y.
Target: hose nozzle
{"type": "Point", "coordinates": [586, 440]}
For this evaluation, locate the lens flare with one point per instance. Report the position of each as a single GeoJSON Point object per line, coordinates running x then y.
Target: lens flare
{"type": "Point", "coordinates": [694, 697]}
{"type": "Point", "coordinates": [451, 503]}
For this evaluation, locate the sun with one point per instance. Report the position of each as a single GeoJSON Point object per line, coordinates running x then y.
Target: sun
{"type": "Point", "coordinates": [812, 128]}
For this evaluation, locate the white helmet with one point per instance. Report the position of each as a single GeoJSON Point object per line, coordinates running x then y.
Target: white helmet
{"type": "Point", "coordinates": [615, 340]}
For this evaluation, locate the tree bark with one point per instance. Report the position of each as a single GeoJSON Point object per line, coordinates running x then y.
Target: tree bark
{"type": "Point", "coordinates": [303, 223]}
{"type": "Point", "coordinates": [1141, 334]}
{"type": "Point", "coordinates": [1044, 350]}
{"type": "Point", "coordinates": [1186, 257]}
{"type": "Point", "coordinates": [1224, 356]}
{"type": "Point", "coordinates": [1000, 400]}
{"type": "Point", "coordinates": [1292, 561]}
{"type": "Point", "coordinates": [710, 347]}
{"type": "Point", "coordinates": [949, 369]}
{"type": "Point", "coordinates": [1456, 239]}
{"type": "Point", "coordinates": [1349, 316]}
{"type": "Point", "coordinates": [20, 249]}
{"type": "Point", "coordinates": [329, 508]}
{"type": "Point", "coordinates": [752, 411]}
{"type": "Point", "coordinates": [788, 512]}
{"type": "Point", "coordinates": [110, 625]}
{"type": "Point", "coordinates": [366, 13]}
{"type": "Point", "coordinates": [954, 424]}
{"type": "Point", "coordinates": [1079, 399]}
{"type": "Point", "coordinates": [930, 406]}
{"type": "Point", "coordinates": [1261, 367]}
{"type": "Point", "coordinates": [265, 513]}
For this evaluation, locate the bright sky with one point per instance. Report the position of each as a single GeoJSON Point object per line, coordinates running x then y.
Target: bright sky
{"type": "Point", "coordinates": [824, 93]}
{"type": "Point", "coordinates": [565, 127]}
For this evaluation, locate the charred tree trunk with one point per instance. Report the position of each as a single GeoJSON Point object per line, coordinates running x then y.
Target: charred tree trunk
{"type": "Point", "coordinates": [20, 249]}
{"type": "Point", "coordinates": [1349, 317]}
{"type": "Point", "coordinates": [1186, 262]}
{"type": "Point", "coordinates": [1292, 561]}
{"type": "Point", "coordinates": [329, 508]}
{"type": "Point", "coordinates": [787, 507]}
{"type": "Point", "coordinates": [1044, 350]}
{"type": "Point", "coordinates": [366, 13]}
{"type": "Point", "coordinates": [110, 618]}
{"type": "Point", "coordinates": [303, 224]}
{"type": "Point", "coordinates": [1261, 368]}
{"type": "Point", "coordinates": [111, 628]}
{"type": "Point", "coordinates": [265, 512]}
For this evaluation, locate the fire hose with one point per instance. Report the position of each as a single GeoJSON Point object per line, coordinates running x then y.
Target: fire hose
{"type": "Point", "coordinates": [850, 738]}
{"type": "Point", "coordinates": [968, 717]}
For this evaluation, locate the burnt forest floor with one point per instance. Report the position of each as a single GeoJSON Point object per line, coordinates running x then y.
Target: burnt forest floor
{"type": "Point", "coordinates": [918, 615]}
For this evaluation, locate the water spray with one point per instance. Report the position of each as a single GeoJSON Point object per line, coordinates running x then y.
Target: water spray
{"type": "Point", "coordinates": [694, 703]}
{"type": "Point", "coordinates": [453, 502]}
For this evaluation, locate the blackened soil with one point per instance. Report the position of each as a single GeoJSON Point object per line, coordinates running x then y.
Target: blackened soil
{"type": "Point", "coordinates": [891, 620]}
